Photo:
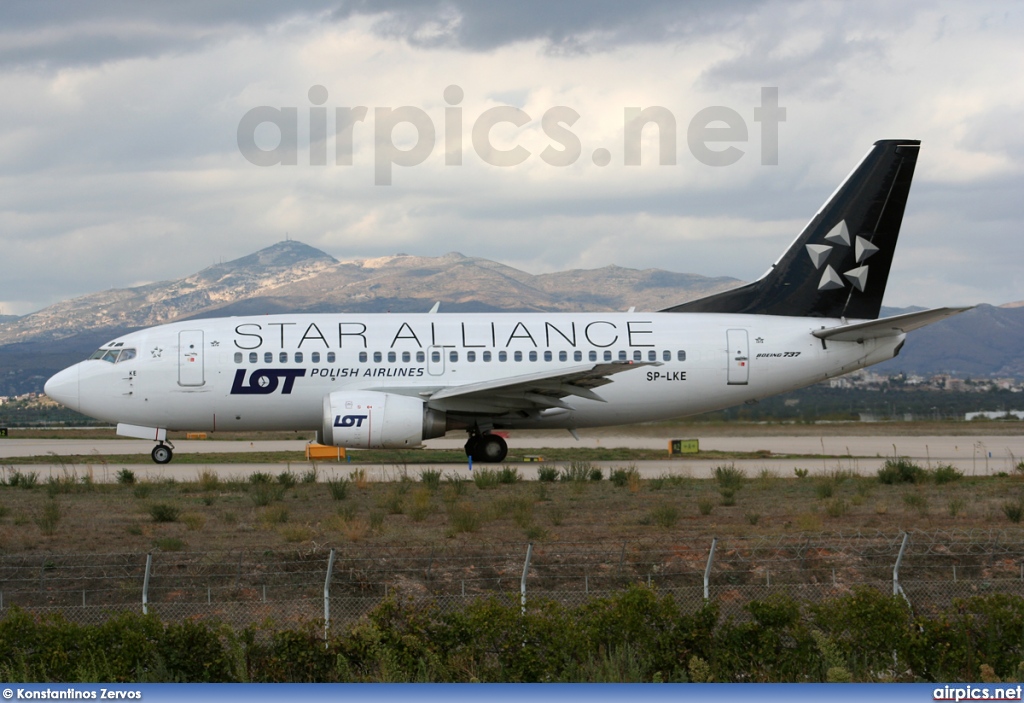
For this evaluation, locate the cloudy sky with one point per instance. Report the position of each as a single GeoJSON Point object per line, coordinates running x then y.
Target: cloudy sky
{"type": "Point", "coordinates": [120, 133]}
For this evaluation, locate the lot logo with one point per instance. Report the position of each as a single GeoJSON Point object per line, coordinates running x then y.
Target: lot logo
{"type": "Point", "coordinates": [349, 420]}
{"type": "Point", "coordinates": [265, 381]}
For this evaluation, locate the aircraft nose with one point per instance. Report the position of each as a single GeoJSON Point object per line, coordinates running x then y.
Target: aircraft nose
{"type": "Point", "coordinates": [63, 387]}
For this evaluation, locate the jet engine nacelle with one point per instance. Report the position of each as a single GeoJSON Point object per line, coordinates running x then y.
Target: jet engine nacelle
{"type": "Point", "coordinates": [375, 420]}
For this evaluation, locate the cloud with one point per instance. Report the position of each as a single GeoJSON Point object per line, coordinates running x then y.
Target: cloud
{"type": "Point", "coordinates": [119, 161]}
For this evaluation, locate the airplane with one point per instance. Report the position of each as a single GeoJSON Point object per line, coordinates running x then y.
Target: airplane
{"type": "Point", "coordinates": [395, 380]}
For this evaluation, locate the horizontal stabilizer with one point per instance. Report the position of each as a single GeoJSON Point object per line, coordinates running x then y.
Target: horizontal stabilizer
{"type": "Point", "coordinates": [887, 326]}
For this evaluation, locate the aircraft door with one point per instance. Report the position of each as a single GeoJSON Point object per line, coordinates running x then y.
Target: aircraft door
{"type": "Point", "coordinates": [739, 357]}
{"type": "Point", "coordinates": [190, 358]}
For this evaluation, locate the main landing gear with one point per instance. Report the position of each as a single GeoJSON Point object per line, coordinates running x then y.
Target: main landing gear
{"type": "Point", "coordinates": [162, 453]}
{"type": "Point", "coordinates": [486, 447]}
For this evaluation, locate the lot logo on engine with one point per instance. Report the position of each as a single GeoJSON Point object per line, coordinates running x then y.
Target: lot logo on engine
{"type": "Point", "coordinates": [349, 420]}
{"type": "Point", "coordinates": [265, 381]}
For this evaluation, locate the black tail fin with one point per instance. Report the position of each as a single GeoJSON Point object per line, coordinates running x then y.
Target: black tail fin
{"type": "Point", "coordinates": [839, 264]}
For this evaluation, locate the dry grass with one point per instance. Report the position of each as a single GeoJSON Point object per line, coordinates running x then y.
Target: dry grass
{"type": "Point", "coordinates": [113, 517]}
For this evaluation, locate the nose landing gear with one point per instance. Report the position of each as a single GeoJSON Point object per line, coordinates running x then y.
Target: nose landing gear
{"type": "Point", "coordinates": [162, 453]}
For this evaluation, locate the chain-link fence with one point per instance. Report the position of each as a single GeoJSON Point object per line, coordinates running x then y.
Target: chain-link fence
{"type": "Point", "coordinates": [283, 589]}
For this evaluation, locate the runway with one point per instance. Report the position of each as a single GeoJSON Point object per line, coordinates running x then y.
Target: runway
{"type": "Point", "coordinates": [974, 455]}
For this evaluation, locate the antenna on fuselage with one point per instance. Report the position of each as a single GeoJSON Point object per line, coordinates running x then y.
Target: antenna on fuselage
{"type": "Point", "coordinates": [434, 309]}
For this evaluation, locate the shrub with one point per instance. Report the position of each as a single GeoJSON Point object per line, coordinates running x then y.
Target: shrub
{"type": "Point", "coordinates": [956, 506]}
{"type": "Point", "coordinates": [258, 477]}
{"type": "Point", "coordinates": [665, 515]}
{"type": "Point", "coordinates": [431, 478]}
{"type": "Point", "coordinates": [485, 478]}
{"type": "Point", "coordinates": [837, 508]}
{"type": "Point", "coordinates": [801, 473]}
{"type": "Point", "coordinates": [275, 515]}
{"type": "Point", "coordinates": [729, 477]}
{"type": "Point", "coordinates": [338, 487]}
{"type": "Point", "coordinates": [824, 488]}
{"type": "Point", "coordinates": [596, 474]}
{"type": "Point", "coordinates": [705, 505]}
{"type": "Point", "coordinates": [463, 517]}
{"type": "Point", "coordinates": [266, 493]}
{"type": "Point", "coordinates": [620, 477]}
{"type": "Point", "coordinates": [310, 475]}
{"type": "Point", "coordinates": [901, 470]}
{"type": "Point", "coordinates": [728, 496]}
{"type": "Point", "coordinates": [126, 477]}
{"type": "Point", "coordinates": [420, 508]}
{"type": "Point", "coordinates": [163, 512]}
{"type": "Point", "coordinates": [286, 479]}
{"type": "Point", "coordinates": [508, 475]}
{"type": "Point", "coordinates": [169, 544]}
{"type": "Point", "coordinates": [752, 517]}
{"type": "Point", "coordinates": [1014, 510]}
{"type": "Point", "coordinates": [916, 501]}
{"type": "Point", "coordinates": [547, 473]}
{"type": "Point", "coordinates": [946, 473]}
{"type": "Point", "coordinates": [193, 521]}
{"type": "Point", "coordinates": [576, 471]}
{"type": "Point", "coordinates": [49, 518]}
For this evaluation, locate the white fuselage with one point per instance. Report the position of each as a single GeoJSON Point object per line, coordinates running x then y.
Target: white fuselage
{"type": "Point", "coordinates": [205, 374]}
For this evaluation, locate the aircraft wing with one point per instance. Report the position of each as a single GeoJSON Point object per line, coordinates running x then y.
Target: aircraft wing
{"type": "Point", "coordinates": [886, 326]}
{"type": "Point", "coordinates": [537, 391]}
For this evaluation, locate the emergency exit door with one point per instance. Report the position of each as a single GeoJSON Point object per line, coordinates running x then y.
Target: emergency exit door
{"type": "Point", "coordinates": [739, 357]}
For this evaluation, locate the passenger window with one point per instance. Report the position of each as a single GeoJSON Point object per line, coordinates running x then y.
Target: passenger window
{"type": "Point", "coordinates": [666, 355]}
{"type": "Point", "coordinates": [486, 356]}
{"type": "Point", "coordinates": [593, 355]}
{"type": "Point", "coordinates": [330, 357]}
{"type": "Point", "coordinates": [268, 357]}
{"type": "Point", "coordinates": [533, 356]}
{"type": "Point", "coordinates": [652, 355]}
{"type": "Point", "coordinates": [126, 355]}
{"type": "Point", "coordinates": [238, 357]}
{"type": "Point", "coordinates": [435, 356]}
{"type": "Point", "coordinates": [406, 357]}
{"type": "Point", "coordinates": [453, 356]}
{"type": "Point", "coordinates": [392, 357]}
{"type": "Point", "coordinates": [298, 357]}
{"type": "Point", "coordinates": [502, 356]}
{"type": "Point", "coordinates": [577, 355]}
{"type": "Point", "coordinates": [547, 356]}
{"type": "Point", "coordinates": [622, 355]}
{"type": "Point", "coordinates": [420, 357]}
{"type": "Point", "coordinates": [518, 356]}
{"type": "Point", "coordinates": [253, 357]}
{"type": "Point", "coordinates": [638, 355]}
{"type": "Point", "coordinates": [681, 355]}
{"type": "Point", "coordinates": [607, 355]}
{"type": "Point", "coordinates": [563, 356]}
{"type": "Point", "coordinates": [470, 356]}
{"type": "Point", "coordinates": [284, 357]}
{"type": "Point", "coordinates": [363, 358]}
{"type": "Point", "coordinates": [377, 357]}
{"type": "Point", "coordinates": [315, 357]}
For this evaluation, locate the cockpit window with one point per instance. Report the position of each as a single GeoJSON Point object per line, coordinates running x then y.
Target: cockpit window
{"type": "Point", "coordinates": [113, 356]}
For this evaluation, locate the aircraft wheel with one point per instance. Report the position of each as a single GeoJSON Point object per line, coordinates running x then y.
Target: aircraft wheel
{"type": "Point", "coordinates": [162, 454]}
{"type": "Point", "coordinates": [490, 449]}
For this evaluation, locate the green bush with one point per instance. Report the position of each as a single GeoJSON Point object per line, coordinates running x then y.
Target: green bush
{"type": "Point", "coordinates": [901, 470]}
{"type": "Point", "coordinates": [577, 471]}
{"type": "Point", "coordinates": [547, 474]}
{"type": "Point", "coordinates": [729, 477]}
{"type": "Point", "coordinates": [126, 477]}
{"type": "Point", "coordinates": [163, 512]}
{"type": "Point", "coordinates": [485, 478]}
{"type": "Point", "coordinates": [431, 478]}
{"type": "Point", "coordinates": [509, 475]}
{"type": "Point", "coordinates": [946, 473]}
{"type": "Point", "coordinates": [338, 487]}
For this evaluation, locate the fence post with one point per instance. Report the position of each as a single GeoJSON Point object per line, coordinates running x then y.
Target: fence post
{"type": "Point", "coordinates": [522, 582]}
{"type": "Point", "coordinates": [327, 596]}
{"type": "Point", "coordinates": [145, 584]}
{"type": "Point", "coordinates": [897, 589]}
{"type": "Point", "coordinates": [707, 571]}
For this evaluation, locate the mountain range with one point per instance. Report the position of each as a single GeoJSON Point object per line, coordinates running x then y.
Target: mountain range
{"type": "Point", "coordinates": [293, 277]}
